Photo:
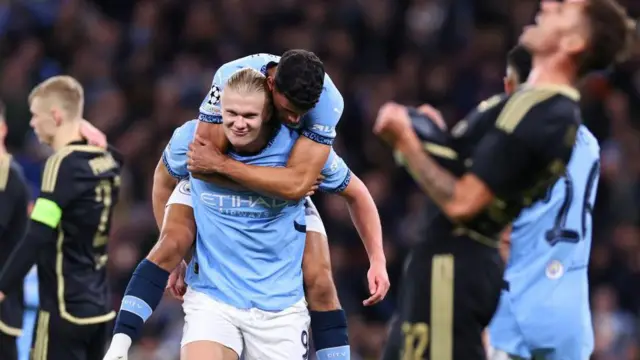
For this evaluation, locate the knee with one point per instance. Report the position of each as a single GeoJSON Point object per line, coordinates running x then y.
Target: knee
{"type": "Point", "coordinates": [321, 290]}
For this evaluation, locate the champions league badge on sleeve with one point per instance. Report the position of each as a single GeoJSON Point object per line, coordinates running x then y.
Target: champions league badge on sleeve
{"type": "Point", "coordinates": [214, 95]}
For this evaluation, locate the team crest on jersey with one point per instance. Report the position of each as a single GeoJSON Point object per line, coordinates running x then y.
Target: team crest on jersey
{"type": "Point", "coordinates": [554, 270]}
{"type": "Point", "coordinates": [214, 95]}
{"type": "Point", "coordinates": [185, 188]}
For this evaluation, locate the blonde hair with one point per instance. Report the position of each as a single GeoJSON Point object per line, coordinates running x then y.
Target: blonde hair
{"type": "Point", "coordinates": [64, 90]}
{"type": "Point", "coordinates": [247, 80]}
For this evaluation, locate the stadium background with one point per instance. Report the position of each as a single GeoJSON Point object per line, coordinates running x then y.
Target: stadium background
{"type": "Point", "coordinates": [146, 65]}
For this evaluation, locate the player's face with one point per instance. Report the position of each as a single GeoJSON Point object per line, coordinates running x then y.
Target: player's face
{"type": "Point", "coordinates": [42, 121]}
{"type": "Point", "coordinates": [243, 116]}
{"type": "Point", "coordinates": [559, 27]}
{"type": "Point", "coordinates": [285, 111]}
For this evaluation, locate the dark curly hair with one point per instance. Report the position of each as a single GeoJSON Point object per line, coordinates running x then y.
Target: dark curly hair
{"type": "Point", "coordinates": [612, 36]}
{"type": "Point", "coordinates": [519, 59]}
{"type": "Point", "coordinates": [300, 77]}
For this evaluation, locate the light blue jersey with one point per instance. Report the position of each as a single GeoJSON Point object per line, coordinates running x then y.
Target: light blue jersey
{"type": "Point", "coordinates": [249, 246]}
{"type": "Point", "coordinates": [319, 124]}
{"type": "Point", "coordinates": [545, 313]}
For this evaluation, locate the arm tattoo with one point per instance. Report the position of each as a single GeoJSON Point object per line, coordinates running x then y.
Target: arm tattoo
{"type": "Point", "coordinates": [437, 182]}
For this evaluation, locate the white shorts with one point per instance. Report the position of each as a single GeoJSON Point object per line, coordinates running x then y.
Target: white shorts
{"type": "Point", "coordinates": [260, 335]}
{"type": "Point", "coordinates": [182, 195]}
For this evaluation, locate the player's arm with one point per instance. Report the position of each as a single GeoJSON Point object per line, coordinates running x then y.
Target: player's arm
{"type": "Point", "coordinates": [55, 194]}
{"type": "Point", "coordinates": [500, 158]}
{"type": "Point", "coordinates": [365, 217]}
{"type": "Point", "coordinates": [339, 179]}
{"type": "Point", "coordinates": [163, 185]}
{"type": "Point", "coordinates": [308, 156]}
{"type": "Point", "coordinates": [291, 182]}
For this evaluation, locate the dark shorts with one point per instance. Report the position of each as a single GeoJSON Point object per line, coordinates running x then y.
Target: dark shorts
{"type": "Point", "coordinates": [56, 339]}
{"type": "Point", "coordinates": [8, 347]}
{"type": "Point", "coordinates": [446, 302]}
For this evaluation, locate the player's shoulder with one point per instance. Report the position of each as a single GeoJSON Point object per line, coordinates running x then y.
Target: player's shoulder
{"type": "Point", "coordinates": [549, 104]}
{"type": "Point", "coordinates": [79, 161]}
{"type": "Point", "coordinates": [256, 61]}
{"type": "Point", "coordinates": [183, 134]}
{"type": "Point", "coordinates": [586, 140]}
{"type": "Point", "coordinates": [331, 93]}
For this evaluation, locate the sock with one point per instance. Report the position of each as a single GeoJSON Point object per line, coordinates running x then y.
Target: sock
{"type": "Point", "coordinates": [142, 296]}
{"type": "Point", "coordinates": [330, 337]}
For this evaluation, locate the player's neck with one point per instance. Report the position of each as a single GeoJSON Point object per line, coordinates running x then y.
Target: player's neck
{"type": "Point", "coordinates": [550, 71]}
{"type": "Point", "coordinates": [67, 133]}
{"type": "Point", "coordinates": [3, 149]}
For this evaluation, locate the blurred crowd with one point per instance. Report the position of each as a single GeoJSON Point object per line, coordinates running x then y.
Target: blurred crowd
{"type": "Point", "coordinates": [146, 65]}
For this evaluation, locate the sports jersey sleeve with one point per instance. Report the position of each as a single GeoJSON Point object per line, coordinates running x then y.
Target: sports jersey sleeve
{"type": "Point", "coordinates": [535, 131]}
{"type": "Point", "coordinates": [337, 174]}
{"type": "Point", "coordinates": [320, 123]}
{"type": "Point", "coordinates": [56, 192]}
{"type": "Point", "coordinates": [174, 155]}
{"type": "Point", "coordinates": [210, 111]}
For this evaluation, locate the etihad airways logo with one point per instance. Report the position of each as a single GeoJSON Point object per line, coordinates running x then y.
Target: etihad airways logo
{"type": "Point", "coordinates": [243, 201]}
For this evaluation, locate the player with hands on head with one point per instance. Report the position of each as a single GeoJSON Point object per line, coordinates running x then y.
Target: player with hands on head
{"type": "Point", "coordinates": [508, 151]}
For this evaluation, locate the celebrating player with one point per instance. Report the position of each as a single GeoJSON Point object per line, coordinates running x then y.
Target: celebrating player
{"type": "Point", "coordinates": [69, 227]}
{"type": "Point", "coordinates": [510, 165]}
{"type": "Point", "coordinates": [549, 254]}
{"type": "Point", "coordinates": [14, 200]}
{"type": "Point", "coordinates": [248, 249]}
{"type": "Point", "coordinates": [305, 98]}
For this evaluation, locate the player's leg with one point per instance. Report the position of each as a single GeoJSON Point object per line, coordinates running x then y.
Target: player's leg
{"type": "Point", "coordinates": [328, 320]}
{"type": "Point", "coordinates": [8, 346]}
{"type": "Point", "coordinates": [97, 344]}
{"type": "Point", "coordinates": [147, 284]}
{"type": "Point", "coordinates": [210, 330]}
{"type": "Point", "coordinates": [280, 335]}
{"type": "Point", "coordinates": [394, 344]}
{"type": "Point", "coordinates": [56, 338]}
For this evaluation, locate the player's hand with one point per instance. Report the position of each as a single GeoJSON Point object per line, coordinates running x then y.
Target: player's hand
{"type": "Point", "coordinates": [203, 157]}
{"type": "Point", "coordinates": [433, 114]}
{"type": "Point", "coordinates": [92, 134]}
{"type": "Point", "coordinates": [119, 348]}
{"type": "Point", "coordinates": [176, 285]}
{"type": "Point", "coordinates": [1, 296]}
{"type": "Point", "coordinates": [378, 282]}
{"type": "Point", "coordinates": [393, 124]}
{"type": "Point", "coordinates": [315, 186]}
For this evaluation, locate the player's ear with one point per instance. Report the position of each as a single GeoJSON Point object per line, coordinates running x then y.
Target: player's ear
{"type": "Point", "coordinates": [270, 83]}
{"type": "Point", "coordinates": [57, 116]}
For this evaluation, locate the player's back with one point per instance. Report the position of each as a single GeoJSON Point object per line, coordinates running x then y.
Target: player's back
{"type": "Point", "coordinates": [80, 186]}
{"type": "Point", "coordinates": [550, 247]}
